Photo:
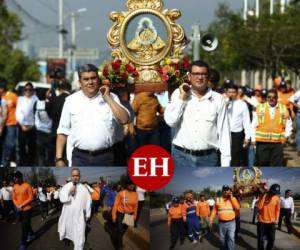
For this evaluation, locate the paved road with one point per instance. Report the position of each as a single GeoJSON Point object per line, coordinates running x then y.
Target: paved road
{"type": "Point", "coordinates": [245, 241]}
{"type": "Point", "coordinates": [47, 236]}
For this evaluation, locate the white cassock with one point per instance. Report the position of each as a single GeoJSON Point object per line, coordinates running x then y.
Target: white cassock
{"type": "Point", "coordinates": [76, 209]}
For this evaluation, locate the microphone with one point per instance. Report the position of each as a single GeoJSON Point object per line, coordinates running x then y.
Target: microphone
{"type": "Point", "coordinates": [74, 184]}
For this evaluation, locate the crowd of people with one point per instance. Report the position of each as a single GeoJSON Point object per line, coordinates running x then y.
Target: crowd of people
{"type": "Point", "coordinates": [192, 219]}
{"type": "Point", "coordinates": [76, 202]}
{"type": "Point", "coordinates": [93, 127]}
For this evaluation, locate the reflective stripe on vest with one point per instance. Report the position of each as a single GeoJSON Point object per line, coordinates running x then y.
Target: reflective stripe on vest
{"type": "Point", "coordinates": [225, 212]}
{"type": "Point", "coordinates": [272, 132]}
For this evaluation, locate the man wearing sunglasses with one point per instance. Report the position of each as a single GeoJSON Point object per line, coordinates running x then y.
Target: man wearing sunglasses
{"type": "Point", "coordinates": [272, 127]}
{"type": "Point", "coordinates": [200, 119]}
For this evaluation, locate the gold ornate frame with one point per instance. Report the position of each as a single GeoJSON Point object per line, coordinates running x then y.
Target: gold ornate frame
{"type": "Point", "coordinates": [176, 41]}
{"type": "Point", "coordinates": [158, 57]}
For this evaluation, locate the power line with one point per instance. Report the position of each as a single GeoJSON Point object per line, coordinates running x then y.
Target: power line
{"type": "Point", "coordinates": [32, 18]}
{"type": "Point", "coordinates": [48, 6]}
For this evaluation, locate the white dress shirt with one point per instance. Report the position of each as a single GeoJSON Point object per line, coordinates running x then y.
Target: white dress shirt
{"type": "Point", "coordinates": [24, 110]}
{"type": "Point", "coordinates": [239, 117]}
{"type": "Point", "coordinates": [288, 125]}
{"type": "Point", "coordinates": [287, 203]}
{"type": "Point", "coordinates": [254, 203]}
{"type": "Point", "coordinates": [211, 202]}
{"type": "Point", "coordinates": [200, 123]}
{"type": "Point", "coordinates": [141, 193]}
{"type": "Point", "coordinates": [89, 122]}
{"type": "Point", "coordinates": [6, 193]}
{"type": "Point", "coordinates": [41, 195]}
{"type": "Point", "coordinates": [295, 97]}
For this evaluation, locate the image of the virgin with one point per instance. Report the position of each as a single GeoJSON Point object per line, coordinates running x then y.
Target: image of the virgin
{"type": "Point", "coordinates": [146, 37]}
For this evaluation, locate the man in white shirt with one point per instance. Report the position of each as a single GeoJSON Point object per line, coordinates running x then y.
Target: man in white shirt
{"type": "Point", "coordinates": [27, 132]}
{"type": "Point", "coordinates": [271, 128]}
{"type": "Point", "coordinates": [200, 119]}
{"type": "Point", "coordinates": [141, 198]}
{"type": "Point", "coordinates": [295, 99]}
{"type": "Point", "coordinates": [8, 206]}
{"type": "Point", "coordinates": [240, 126]}
{"type": "Point", "coordinates": [88, 121]}
{"type": "Point", "coordinates": [254, 208]}
{"type": "Point", "coordinates": [211, 203]}
{"type": "Point", "coordinates": [286, 210]}
{"type": "Point", "coordinates": [76, 211]}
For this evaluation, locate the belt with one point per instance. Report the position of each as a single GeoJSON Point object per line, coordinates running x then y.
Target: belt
{"type": "Point", "coordinates": [94, 153]}
{"type": "Point", "coordinates": [195, 152]}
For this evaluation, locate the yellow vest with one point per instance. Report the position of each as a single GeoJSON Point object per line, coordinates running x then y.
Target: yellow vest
{"type": "Point", "coordinates": [271, 130]}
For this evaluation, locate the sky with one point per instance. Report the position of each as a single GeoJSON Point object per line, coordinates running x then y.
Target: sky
{"type": "Point", "coordinates": [215, 178]}
{"type": "Point", "coordinates": [97, 17]}
{"type": "Point", "coordinates": [89, 174]}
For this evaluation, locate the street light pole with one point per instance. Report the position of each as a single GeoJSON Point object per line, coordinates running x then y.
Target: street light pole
{"type": "Point", "coordinates": [245, 10]}
{"type": "Point", "coordinates": [196, 42]}
{"type": "Point", "coordinates": [73, 40]}
{"type": "Point", "coordinates": [271, 7]}
{"type": "Point", "coordinates": [257, 8]}
{"type": "Point", "coordinates": [60, 28]}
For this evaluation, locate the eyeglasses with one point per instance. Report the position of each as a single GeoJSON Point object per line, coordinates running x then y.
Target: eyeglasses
{"type": "Point", "coordinates": [272, 97]}
{"type": "Point", "coordinates": [94, 78]}
{"type": "Point", "coordinates": [197, 74]}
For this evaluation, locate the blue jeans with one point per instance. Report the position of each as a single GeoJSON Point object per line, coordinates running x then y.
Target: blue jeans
{"type": "Point", "coordinates": [226, 231]}
{"type": "Point", "coordinates": [10, 139]}
{"type": "Point", "coordinates": [182, 159]}
{"type": "Point", "coordinates": [298, 131]}
{"type": "Point", "coordinates": [251, 156]}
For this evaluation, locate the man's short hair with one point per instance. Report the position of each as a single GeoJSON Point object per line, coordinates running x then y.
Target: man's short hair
{"type": "Point", "coordinates": [273, 91]}
{"type": "Point", "coordinates": [199, 63]}
{"type": "Point", "coordinates": [87, 68]}
{"type": "Point", "coordinates": [75, 169]}
{"type": "Point", "coordinates": [214, 76]}
{"type": "Point", "coordinates": [232, 86]}
{"type": "Point", "coordinates": [29, 84]}
{"type": "Point", "coordinates": [287, 191]}
{"type": "Point", "coordinates": [3, 83]}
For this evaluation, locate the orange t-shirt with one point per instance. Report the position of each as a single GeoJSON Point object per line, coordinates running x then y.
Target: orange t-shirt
{"type": "Point", "coordinates": [174, 213]}
{"type": "Point", "coordinates": [269, 208]}
{"type": "Point", "coordinates": [22, 195]}
{"type": "Point", "coordinates": [96, 194]}
{"type": "Point", "coordinates": [203, 209]}
{"type": "Point", "coordinates": [11, 99]}
{"type": "Point", "coordinates": [225, 208]}
{"type": "Point", "coordinates": [125, 202]}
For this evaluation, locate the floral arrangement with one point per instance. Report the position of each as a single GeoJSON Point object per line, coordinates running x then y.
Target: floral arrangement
{"type": "Point", "coordinates": [118, 72]}
{"type": "Point", "coordinates": [174, 72]}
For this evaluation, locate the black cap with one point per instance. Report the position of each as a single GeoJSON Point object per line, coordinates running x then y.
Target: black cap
{"type": "Point", "coordinates": [18, 174]}
{"type": "Point", "coordinates": [225, 188]}
{"type": "Point", "coordinates": [275, 189]}
{"type": "Point", "coordinates": [175, 200]}
{"type": "Point", "coordinates": [264, 93]}
{"type": "Point", "coordinates": [227, 83]}
{"type": "Point", "coordinates": [282, 84]}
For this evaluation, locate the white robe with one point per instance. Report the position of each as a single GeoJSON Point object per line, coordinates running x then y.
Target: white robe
{"type": "Point", "coordinates": [76, 209]}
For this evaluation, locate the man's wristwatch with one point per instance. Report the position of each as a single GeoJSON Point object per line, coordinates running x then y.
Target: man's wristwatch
{"type": "Point", "coordinates": [57, 159]}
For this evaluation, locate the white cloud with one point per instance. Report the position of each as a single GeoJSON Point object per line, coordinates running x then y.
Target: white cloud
{"type": "Point", "coordinates": [204, 172]}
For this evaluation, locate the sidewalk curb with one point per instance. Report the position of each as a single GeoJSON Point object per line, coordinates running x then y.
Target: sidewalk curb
{"type": "Point", "coordinates": [139, 237]}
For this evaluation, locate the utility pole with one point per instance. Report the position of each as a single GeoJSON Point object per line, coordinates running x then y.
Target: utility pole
{"type": "Point", "coordinates": [73, 40]}
{"type": "Point", "coordinates": [282, 6]}
{"type": "Point", "coordinates": [245, 13]}
{"type": "Point", "coordinates": [271, 7]}
{"type": "Point", "coordinates": [196, 42]}
{"type": "Point", "coordinates": [257, 8]}
{"type": "Point", "coordinates": [60, 28]}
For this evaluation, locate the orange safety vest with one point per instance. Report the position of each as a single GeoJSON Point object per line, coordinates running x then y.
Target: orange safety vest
{"type": "Point", "coordinates": [225, 209]}
{"type": "Point", "coordinates": [271, 130]}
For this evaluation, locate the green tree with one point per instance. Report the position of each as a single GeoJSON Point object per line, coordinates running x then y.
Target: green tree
{"type": "Point", "coordinates": [268, 42]}
{"type": "Point", "coordinates": [14, 65]}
